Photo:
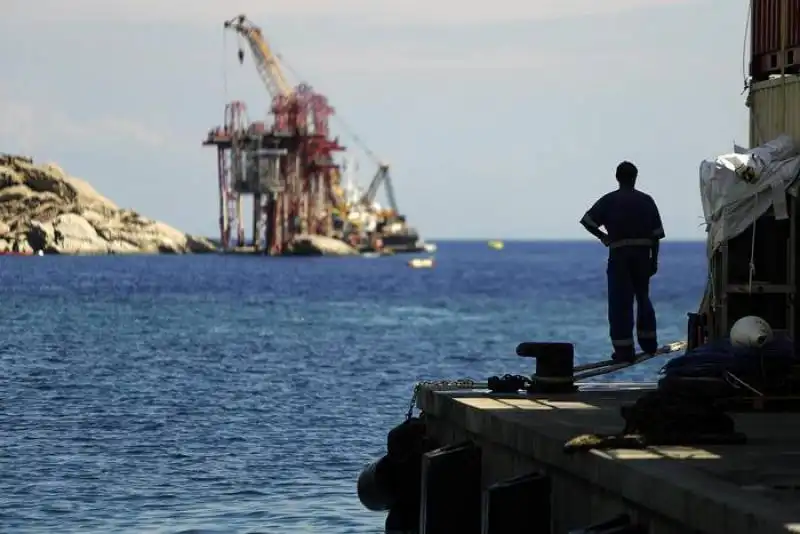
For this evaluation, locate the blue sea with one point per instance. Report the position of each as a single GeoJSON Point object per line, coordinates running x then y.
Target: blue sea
{"type": "Point", "coordinates": [213, 394]}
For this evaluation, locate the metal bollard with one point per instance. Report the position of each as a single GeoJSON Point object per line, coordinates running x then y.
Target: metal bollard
{"type": "Point", "coordinates": [555, 364]}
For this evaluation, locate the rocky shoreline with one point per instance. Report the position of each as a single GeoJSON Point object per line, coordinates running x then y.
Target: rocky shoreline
{"type": "Point", "coordinates": [44, 209]}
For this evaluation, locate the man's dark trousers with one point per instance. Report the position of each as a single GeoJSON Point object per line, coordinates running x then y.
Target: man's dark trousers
{"type": "Point", "coordinates": [629, 271]}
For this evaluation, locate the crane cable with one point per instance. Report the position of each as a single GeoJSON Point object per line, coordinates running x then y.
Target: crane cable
{"type": "Point", "coordinates": [225, 64]}
{"type": "Point", "coordinates": [349, 131]}
{"type": "Point", "coordinates": [745, 75]}
{"type": "Point", "coordinates": [337, 117]}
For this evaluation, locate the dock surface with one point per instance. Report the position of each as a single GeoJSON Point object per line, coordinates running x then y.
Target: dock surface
{"type": "Point", "coordinates": [726, 489]}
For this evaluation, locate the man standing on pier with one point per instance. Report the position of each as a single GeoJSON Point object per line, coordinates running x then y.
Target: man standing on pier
{"type": "Point", "coordinates": [633, 232]}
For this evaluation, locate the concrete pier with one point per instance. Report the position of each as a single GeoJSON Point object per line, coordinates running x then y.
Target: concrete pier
{"type": "Point", "coordinates": [720, 489]}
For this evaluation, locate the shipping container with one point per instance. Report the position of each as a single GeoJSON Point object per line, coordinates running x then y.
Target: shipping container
{"type": "Point", "coordinates": [774, 25]}
{"type": "Point", "coordinates": [774, 109]}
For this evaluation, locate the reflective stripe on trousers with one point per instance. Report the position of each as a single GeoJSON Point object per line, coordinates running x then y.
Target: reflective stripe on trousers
{"type": "Point", "coordinates": [646, 334]}
{"type": "Point", "coordinates": [628, 280]}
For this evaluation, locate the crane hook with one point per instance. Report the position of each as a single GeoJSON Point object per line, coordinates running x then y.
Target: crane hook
{"type": "Point", "coordinates": [241, 56]}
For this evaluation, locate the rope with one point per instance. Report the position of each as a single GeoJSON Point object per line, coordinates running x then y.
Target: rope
{"type": "Point", "coordinates": [514, 383]}
{"type": "Point", "coordinates": [755, 126]}
{"type": "Point", "coordinates": [752, 269]}
{"type": "Point", "coordinates": [745, 75]}
{"type": "Point", "coordinates": [784, 22]}
{"type": "Point", "coordinates": [225, 65]}
{"type": "Point", "coordinates": [337, 117]}
{"type": "Point", "coordinates": [712, 290]}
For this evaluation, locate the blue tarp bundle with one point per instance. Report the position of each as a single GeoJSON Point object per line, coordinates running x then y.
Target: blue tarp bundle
{"type": "Point", "coordinates": [713, 359]}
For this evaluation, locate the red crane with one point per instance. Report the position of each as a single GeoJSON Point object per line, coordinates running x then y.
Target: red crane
{"type": "Point", "coordinates": [287, 165]}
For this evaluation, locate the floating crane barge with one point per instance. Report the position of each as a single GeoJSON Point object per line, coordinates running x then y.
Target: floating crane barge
{"type": "Point", "coordinates": [287, 166]}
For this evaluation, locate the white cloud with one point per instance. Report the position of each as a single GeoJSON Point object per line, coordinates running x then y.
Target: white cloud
{"type": "Point", "coordinates": [427, 12]}
{"type": "Point", "coordinates": [29, 128]}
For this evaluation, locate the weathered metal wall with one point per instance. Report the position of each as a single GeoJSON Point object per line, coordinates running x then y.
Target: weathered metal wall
{"type": "Point", "coordinates": [775, 25]}
{"type": "Point", "coordinates": [774, 109]}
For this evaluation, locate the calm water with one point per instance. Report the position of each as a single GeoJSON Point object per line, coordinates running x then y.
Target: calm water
{"type": "Point", "coordinates": [235, 394]}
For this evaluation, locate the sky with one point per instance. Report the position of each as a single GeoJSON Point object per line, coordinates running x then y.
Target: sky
{"type": "Point", "coordinates": [503, 119]}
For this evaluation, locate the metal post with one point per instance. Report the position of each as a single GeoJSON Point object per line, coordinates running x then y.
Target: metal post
{"type": "Point", "coordinates": [224, 228]}
{"type": "Point", "coordinates": [257, 221]}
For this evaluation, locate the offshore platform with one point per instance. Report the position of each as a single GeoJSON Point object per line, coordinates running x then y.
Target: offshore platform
{"type": "Point", "coordinates": [285, 164]}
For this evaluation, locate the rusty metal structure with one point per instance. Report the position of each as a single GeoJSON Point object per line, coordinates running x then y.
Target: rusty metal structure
{"type": "Point", "coordinates": [756, 272]}
{"type": "Point", "coordinates": [774, 38]}
{"type": "Point", "coordinates": [286, 164]}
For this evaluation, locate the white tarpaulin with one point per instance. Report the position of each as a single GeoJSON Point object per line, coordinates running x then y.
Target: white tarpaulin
{"type": "Point", "coordinates": [737, 189]}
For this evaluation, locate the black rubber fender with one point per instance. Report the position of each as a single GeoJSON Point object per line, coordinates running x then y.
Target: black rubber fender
{"type": "Point", "coordinates": [393, 482]}
{"type": "Point", "coordinates": [407, 438]}
{"type": "Point", "coordinates": [377, 490]}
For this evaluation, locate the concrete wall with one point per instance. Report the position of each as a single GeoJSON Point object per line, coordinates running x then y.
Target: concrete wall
{"type": "Point", "coordinates": [575, 502]}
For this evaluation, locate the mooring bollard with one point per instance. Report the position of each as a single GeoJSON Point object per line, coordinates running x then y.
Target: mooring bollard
{"type": "Point", "coordinates": [555, 363]}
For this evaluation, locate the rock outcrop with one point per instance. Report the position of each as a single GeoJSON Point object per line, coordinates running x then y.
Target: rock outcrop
{"type": "Point", "coordinates": [317, 245]}
{"type": "Point", "coordinates": [42, 208]}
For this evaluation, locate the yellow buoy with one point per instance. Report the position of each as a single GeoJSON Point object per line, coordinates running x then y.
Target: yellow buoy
{"type": "Point", "coordinates": [497, 245]}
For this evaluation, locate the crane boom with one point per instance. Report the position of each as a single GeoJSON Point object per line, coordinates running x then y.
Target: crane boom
{"type": "Point", "coordinates": [382, 177]}
{"type": "Point", "coordinates": [269, 70]}
{"type": "Point", "coordinates": [267, 63]}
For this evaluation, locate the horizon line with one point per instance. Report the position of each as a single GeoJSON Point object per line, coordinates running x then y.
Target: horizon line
{"type": "Point", "coordinates": [214, 239]}
{"type": "Point", "coordinates": [547, 239]}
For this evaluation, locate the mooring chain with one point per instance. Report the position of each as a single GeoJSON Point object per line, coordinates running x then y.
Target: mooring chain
{"type": "Point", "coordinates": [438, 385]}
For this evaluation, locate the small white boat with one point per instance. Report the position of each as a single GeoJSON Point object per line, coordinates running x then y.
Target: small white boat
{"type": "Point", "coordinates": [429, 247]}
{"type": "Point", "coordinates": [421, 263]}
